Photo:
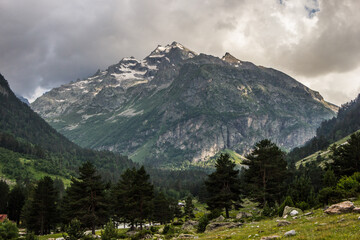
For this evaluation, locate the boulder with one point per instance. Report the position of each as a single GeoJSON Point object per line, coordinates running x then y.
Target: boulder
{"type": "Point", "coordinates": [243, 215]}
{"type": "Point", "coordinates": [339, 208]}
{"type": "Point", "coordinates": [282, 223]}
{"type": "Point", "coordinates": [270, 237]}
{"type": "Point", "coordinates": [308, 213]}
{"type": "Point", "coordinates": [216, 225]}
{"type": "Point", "coordinates": [219, 219]}
{"type": "Point", "coordinates": [185, 236]}
{"type": "Point", "coordinates": [290, 233]}
{"type": "Point", "coordinates": [189, 225]}
{"type": "Point", "coordinates": [356, 210]}
{"type": "Point", "coordinates": [288, 210]}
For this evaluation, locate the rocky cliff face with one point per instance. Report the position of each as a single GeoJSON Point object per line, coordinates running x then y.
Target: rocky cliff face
{"type": "Point", "coordinates": [176, 106]}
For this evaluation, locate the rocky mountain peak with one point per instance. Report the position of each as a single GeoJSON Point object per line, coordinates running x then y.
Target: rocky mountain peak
{"type": "Point", "coordinates": [230, 59]}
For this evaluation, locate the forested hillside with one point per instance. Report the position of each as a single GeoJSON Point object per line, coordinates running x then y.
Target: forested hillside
{"type": "Point", "coordinates": [345, 123]}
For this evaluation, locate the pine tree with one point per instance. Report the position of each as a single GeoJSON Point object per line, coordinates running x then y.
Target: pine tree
{"type": "Point", "coordinates": [85, 200]}
{"type": "Point", "coordinates": [347, 156]}
{"type": "Point", "coordinates": [189, 208]}
{"type": "Point", "coordinates": [43, 213]}
{"type": "Point", "coordinates": [16, 203]}
{"type": "Point", "coordinates": [223, 185]}
{"type": "Point", "coordinates": [266, 173]}
{"type": "Point", "coordinates": [162, 212]}
{"type": "Point", "coordinates": [4, 194]}
{"type": "Point", "coordinates": [134, 194]}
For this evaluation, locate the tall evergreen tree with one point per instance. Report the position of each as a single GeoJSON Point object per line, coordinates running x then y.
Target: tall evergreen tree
{"type": "Point", "coordinates": [347, 156]}
{"type": "Point", "coordinates": [43, 213]}
{"type": "Point", "coordinates": [162, 212]}
{"type": "Point", "coordinates": [4, 194]}
{"type": "Point", "coordinates": [16, 203]}
{"type": "Point", "coordinates": [134, 194]}
{"type": "Point", "coordinates": [223, 185]}
{"type": "Point", "coordinates": [266, 173]}
{"type": "Point", "coordinates": [189, 208]}
{"type": "Point", "coordinates": [85, 200]}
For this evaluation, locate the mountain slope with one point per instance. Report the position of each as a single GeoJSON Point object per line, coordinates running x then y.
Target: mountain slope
{"type": "Point", "coordinates": [346, 122]}
{"type": "Point", "coordinates": [176, 107]}
{"type": "Point", "coordinates": [29, 144]}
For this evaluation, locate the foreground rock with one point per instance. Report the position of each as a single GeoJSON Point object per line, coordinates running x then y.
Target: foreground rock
{"type": "Point", "coordinates": [339, 208]}
{"type": "Point", "coordinates": [189, 225]}
{"type": "Point", "coordinates": [216, 225]}
{"type": "Point", "coordinates": [270, 237]}
{"type": "Point", "coordinates": [292, 211]}
{"type": "Point", "coordinates": [282, 223]}
{"type": "Point", "coordinates": [243, 215]}
{"type": "Point", "coordinates": [290, 233]}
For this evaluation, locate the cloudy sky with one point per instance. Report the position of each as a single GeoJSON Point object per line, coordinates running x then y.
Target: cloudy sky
{"type": "Point", "coordinates": [46, 43]}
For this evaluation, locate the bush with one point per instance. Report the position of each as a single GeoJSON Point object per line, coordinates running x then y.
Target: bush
{"type": "Point", "coordinates": [215, 213]}
{"type": "Point", "coordinates": [154, 229]}
{"type": "Point", "coordinates": [330, 195]}
{"type": "Point", "coordinates": [287, 202]}
{"type": "Point", "coordinates": [8, 230]}
{"type": "Point", "coordinates": [168, 229]}
{"type": "Point", "coordinates": [203, 222]}
{"type": "Point", "coordinates": [268, 211]}
{"type": "Point", "coordinates": [110, 232]}
{"type": "Point", "coordinates": [74, 230]}
{"type": "Point", "coordinates": [141, 234]}
{"type": "Point", "coordinates": [303, 205]}
{"type": "Point", "coordinates": [31, 236]}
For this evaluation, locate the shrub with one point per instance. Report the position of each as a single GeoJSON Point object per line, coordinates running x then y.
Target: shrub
{"type": "Point", "coordinates": [303, 205]}
{"type": "Point", "coordinates": [203, 222]}
{"type": "Point", "coordinates": [168, 229]}
{"type": "Point", "coordinates": [8, 230]}
{"type": "Point", "coordinates": [287, 202]}
{"type": "Point", "coordinates": [269, 211]}
{"type": "Point", "coordinates": [31, 236]}
{"type": "Point", "coordinates": [74, 230]}
{"type": "Point", "coordinates": [215, 213]}
{"type": "Point", "coordinates": [330, 195]}
{"type": "Point", "coordinates": [109, 232]}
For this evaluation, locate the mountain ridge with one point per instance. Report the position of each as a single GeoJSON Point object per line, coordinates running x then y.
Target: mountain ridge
{"type": "Point", "coordinates": [176, 106]}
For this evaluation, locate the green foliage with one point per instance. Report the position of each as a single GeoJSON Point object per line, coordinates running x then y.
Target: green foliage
{"type": "Point", "coordinates": [8, 230]}
{"type": "Point", "coordinates": [110, 232]}
{"type": "Point", "coordinates": [163, 209]}
{"type": "Point", "coordinates": [168, 229]}
{"type": "Point", "coordinates": [141, 234]}
{"type": "Point", "coordinates": [330, 195]}
{"type": "Point", "coordinates": [287, 202]}
{"type": "Point", "coordinates": [43, 210]}
{"type": "Point", "coordinates": [223, 185]}
{"type": "Point", "coordinates": [329, 179]}
{"type": "Point", "coordinates": [133, 197]}
{"type": "Point", "coordinates": [266, 174]}
{"type": "Point", "coordinates": [85, 198]}
{"type": "Point", "coordinates": [31, 236]}
{"type": "Point", "coordinates": [268, 211]}
{"type": "Point", "coordinates": [203, 222]}
{"type": "Point", "coordinates": [347, 156]}
{"type": "Point", "coordinates": [214, 213]}
{"type": "Point", "coordinates": [74, 230]}
{"type": "Point", "coordinates": [4, 190]}
{"type": "Point", "coordinates": [16, 203]}
{"type": "Point", "coordinates": [189, 208]}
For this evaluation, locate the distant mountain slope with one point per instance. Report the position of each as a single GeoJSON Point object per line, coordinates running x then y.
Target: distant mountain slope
{"type": "Point", "coordinates": [25, 132]}
{"type": "Point", "coordinates": [176, 107]}
{"type": "Point", "coordinates": [345, 123]}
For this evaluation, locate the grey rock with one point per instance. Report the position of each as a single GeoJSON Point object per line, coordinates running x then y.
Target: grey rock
{"type": "Point", "coordinates": [219, 219]}
{"type": "Point", "coordinates": [356, 210]}
{"type": "Point", "coordinates": [217, 225]}
{"type": "Point", "coordinates": [288, 210]}
{"type": "Point", "coordinates": [189, 225]}
{"type": "Point", "coordinates": [186, 236]}
{"type": "Point", "coordinates": [290, 233]}
{"type": "Point", "coordinates": [270, 237]}
{"type": "Point", "coordinates": [339, 208]}
{"type": "Point", "coordinates": [282, 223]}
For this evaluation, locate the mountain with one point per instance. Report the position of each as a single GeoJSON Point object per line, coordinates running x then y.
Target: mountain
{"type": "Point", "coordinates": [29, 145]}
{"type": "Point", "coordinates": [23, 99]}
{"type": "Point", "coordinates": [176, 107]}
{"type": "Point", "coordinates": [346, 122]}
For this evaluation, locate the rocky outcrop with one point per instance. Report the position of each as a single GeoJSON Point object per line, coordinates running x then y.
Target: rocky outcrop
{"type": "Point", "coordinates": [291, 211]}
{"type": "Point", "coordinates": [339, 208]}
{"type": "Point", "coordinates": [190, 225]}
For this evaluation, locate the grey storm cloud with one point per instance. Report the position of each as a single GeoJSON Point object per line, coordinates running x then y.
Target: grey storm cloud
{"type": "Point", "coordinates": [46, 43]}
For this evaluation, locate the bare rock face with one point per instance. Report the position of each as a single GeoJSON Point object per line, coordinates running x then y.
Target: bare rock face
{"type": "Point", "coordinates": [339, 208]}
